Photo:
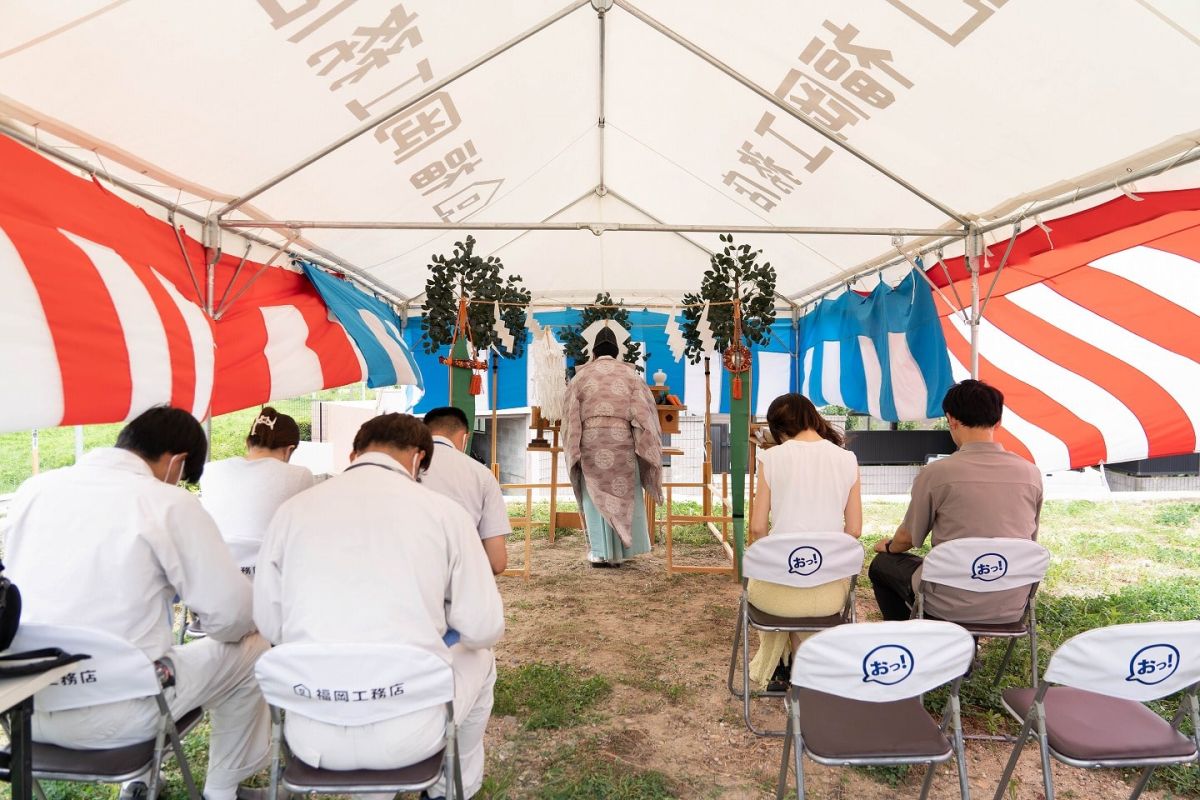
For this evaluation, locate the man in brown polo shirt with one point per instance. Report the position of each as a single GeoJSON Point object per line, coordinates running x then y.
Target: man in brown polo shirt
{"type": "Point", "coordinates": [980, 490]}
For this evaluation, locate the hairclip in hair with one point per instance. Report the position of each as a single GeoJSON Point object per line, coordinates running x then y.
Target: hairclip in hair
{"type": "Point", "coordinates": [263, 420]}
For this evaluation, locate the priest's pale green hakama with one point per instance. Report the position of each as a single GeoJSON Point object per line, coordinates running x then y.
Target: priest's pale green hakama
{"type": "Point", "coordinates": [604, 543]}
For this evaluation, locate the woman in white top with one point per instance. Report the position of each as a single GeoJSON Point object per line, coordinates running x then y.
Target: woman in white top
{"type": "Point", "coordinates": [808, 482]}
{"type": "Point", "coordinates": [242, 494]}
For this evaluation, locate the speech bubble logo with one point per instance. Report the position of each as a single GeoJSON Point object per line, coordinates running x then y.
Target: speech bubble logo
{"type": "Point", "coordinates": [1153, 664]}
{"type": "Point", "coordinates": [888, 664]}
{"type": "Point", "coordinates": [804, 560]}
{"type": "Point", "coordinates": [989, 567]}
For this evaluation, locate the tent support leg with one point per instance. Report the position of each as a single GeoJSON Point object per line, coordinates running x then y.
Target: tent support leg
{"type": "Point", "coordinates": [211, 239]}
{"type": "Point", "coordinates": [973, 243]}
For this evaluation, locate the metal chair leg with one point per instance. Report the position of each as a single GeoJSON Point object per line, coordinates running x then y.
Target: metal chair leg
{"type": "Point", "coordinates": [176, 740]}
{"type": "Point", "coordinates": [160, 736]}
{"type": "Point", "coordinates": [459, 794]}
{"type": "Point", "coordinates": [1033, 648]}
{"type": "Point", "coordinates": [960, 750]}
{"type": "Point", "coordinates": [1044, 746]}
{"type": "Point", "coordinates": [737, 636]}
{"type": "Point", "coordinates": [276, 764]}
{"type": "Point", "coordinates": [781, 783]}
{"type": "Point", "coordinates": [798, 752]}
{"type": "Point", "coordinates": [1012, 644]}
{"type": "Point", "coordinates": [746, 674]}
{"type": "Point", "coordinates": [927, 782]}
{"type": "Point", "coordinates": [1026, 729]}
{"type": "Point", "coordinates": [1142, 783]}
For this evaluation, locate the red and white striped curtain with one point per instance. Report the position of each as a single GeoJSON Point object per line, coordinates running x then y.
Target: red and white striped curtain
{"type": "Point", "coordinates": [99, 318]}
{"type": "Point", "coordinates": [1092, 332]}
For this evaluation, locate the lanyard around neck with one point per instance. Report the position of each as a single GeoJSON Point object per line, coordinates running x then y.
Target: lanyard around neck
{"type": "Point", "coordinates": [403, 472]}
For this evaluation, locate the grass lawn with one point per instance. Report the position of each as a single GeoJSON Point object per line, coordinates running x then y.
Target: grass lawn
{"type": "Point", "coordinates": [611, 686]}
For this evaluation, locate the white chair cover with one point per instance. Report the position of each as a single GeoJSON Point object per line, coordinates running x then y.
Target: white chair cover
{"type": "Point", "coordinates": [883, 661]}
{"type": "Point", "coordinates": [353, 684]}
{"type": "Point", "coordinates": [803, 559]}
{"type": "Point", "coordinates": [986, 564]}
{"type": "Point", "coordinates": [116, 670]}
{"type": "Point", "coordinates": [1142, 661]}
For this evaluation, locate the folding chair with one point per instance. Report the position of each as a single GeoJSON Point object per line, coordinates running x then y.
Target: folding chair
{"type": "Point", "coordinates": [116, 671]}
{"type": "Point", "coordinates": [350, 685]}
{"type": "Point", "coordinates": [991, 565]}
{"type": "Point", "coordinates": [856, 698]}
{"type": "Point", "coordinates": [1089, 710]}
{"type": "Point", "coordinates": [800, 560]}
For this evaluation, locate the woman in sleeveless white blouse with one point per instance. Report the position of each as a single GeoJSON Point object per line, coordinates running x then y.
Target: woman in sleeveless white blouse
{"type": "Point", "coordinates": [808, 482]}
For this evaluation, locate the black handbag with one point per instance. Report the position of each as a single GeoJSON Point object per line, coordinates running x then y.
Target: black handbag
{"type": "Point", "coordinates": [10, 610]}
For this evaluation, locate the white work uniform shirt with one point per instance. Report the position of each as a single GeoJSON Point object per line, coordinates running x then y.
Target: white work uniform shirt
{"type": "Point", "coordinates": [456, 475]}
{"type": "Point", "coordinates": [106, 545]}
{"type": "Point", "coordinates": [243, 494]}
{"type": "Point", "coordinates": [370, 555]}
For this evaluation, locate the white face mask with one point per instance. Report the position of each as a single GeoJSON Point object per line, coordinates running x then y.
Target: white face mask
{"type": "Point", "coordinates": [179, 458]}
{"type": "Point", "coordinates": [416, 467]}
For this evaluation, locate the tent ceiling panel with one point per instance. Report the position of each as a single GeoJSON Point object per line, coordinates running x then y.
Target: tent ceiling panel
{"type": "Point", "coordinates": [23, 29]}
{"type": "Point", "coordinates": [700, 121]}
{"type": "Point", "coordinates": [983, 105]}
{"type": "Point", "coordinates": [479, 138]}
{"type": "Point", "coordinates": [222, 95]}
{"type": "Point", "coordinates": [577, 265]}
{"type": "Point", "coordinates": [1183, 15]}
{"type": "Point", "coordinates": [400, 257]}
{"type": "Point", "coordinates": [1031, 84]}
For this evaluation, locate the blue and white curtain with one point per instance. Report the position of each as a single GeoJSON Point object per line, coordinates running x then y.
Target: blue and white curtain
{"type": "Point", "coordinates": [375, 329]}
{"type": "Point", "coordinates": [883, 354]}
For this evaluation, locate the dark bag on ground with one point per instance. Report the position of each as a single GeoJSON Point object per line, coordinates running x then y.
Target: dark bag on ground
{"type": "Point", "coordinates": [10, 610]}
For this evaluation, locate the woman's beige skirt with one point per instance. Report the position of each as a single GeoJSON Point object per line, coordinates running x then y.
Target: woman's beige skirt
{"type": "Point", "coordinates": [788, 601]}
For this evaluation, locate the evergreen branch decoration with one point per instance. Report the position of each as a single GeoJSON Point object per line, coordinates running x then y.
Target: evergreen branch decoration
{"type": "Point", "coordinates": [732, 273]}
{"type": "Point", "coordinates": [481, 281]}
{"type": "Point", "coordinates": [604, 308]}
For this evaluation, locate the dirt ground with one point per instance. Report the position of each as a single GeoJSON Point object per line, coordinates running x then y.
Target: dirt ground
{"type": "Point", "coordinates": [664, 644]}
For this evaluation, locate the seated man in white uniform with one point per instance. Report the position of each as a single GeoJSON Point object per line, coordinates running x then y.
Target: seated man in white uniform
{"type": "Point", "coordinates": [106, 545]}
{"type": "Point", "coordinates": [372, 556]}
{"type": "Point", "coordinates": [456, 475]}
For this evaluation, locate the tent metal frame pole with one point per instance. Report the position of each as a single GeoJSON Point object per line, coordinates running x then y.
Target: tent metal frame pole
{"type": "Point", "coordinates": [654, 218]}
{"type": "Point", "coordinates": [567, 207]}
{"type": "Point", "coordinates": [712, 60]}
{"type": "Point", "coordinates": [375, 122]}
{"type": "Point", "coordinates": [973, 251]}
{"type": "Point", "coordinates": [324, 260]}
{"type": "Point", "coordinates": [597, 228]}
{"type": "Point", "coordinates": [1012, 240]}
{"type": "Point", "coordinates": [601, 12]}
{"type": "Point", "coordinates": [1189, 156]}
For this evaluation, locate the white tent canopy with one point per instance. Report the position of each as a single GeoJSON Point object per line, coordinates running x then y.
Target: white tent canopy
{"type": "Point", "coordinates": [921, 116]}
